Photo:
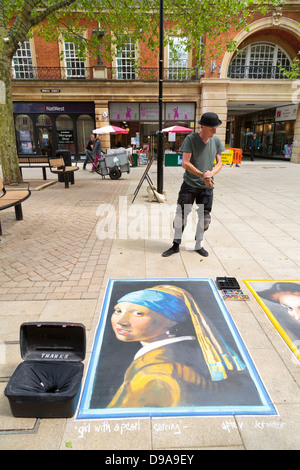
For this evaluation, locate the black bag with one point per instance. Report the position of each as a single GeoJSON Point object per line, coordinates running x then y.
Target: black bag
{"type": "Point", "coordinates": [47, 384]}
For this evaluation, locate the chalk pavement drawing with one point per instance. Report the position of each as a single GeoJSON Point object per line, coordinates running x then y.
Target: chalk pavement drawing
{"type": "Point", "coordinates": [169, 347]}
{"type": "Point", "coordinates": [281, 302]}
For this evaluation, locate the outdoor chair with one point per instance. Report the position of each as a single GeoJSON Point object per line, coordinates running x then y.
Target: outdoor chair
{"type": "Point", "coordinates": [57, 166]}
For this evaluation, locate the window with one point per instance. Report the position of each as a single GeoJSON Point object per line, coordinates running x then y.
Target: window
{"type": "Point", "coordinates": [24, 134]}
{"type": "Point", "coordinates": [85, 126]}
{"type": "Point", "coordinates": [260, 60]}
{"type": "Point", "coordinates": [44, 120]}
{"type": "Point", "coordinates": [74, 65]}
{"type": "Point", "coordinates": [22, 62]}
{"type": "Point", "coordinates": [126, 61]}
{"type": "Point", "coordinates": [177, 59]}
{"type": "Point", "coordinates": [65, 133]}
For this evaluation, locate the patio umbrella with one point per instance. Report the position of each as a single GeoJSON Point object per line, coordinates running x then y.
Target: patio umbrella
{"type": "Point", "coordinates": [110, 130]}
{"type": "Point", "coordinates": [177, 129]}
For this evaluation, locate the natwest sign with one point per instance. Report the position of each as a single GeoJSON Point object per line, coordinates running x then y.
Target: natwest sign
{"type": "Point", "coordinates": [65, 107]}
{"type": "Point", "coordinates": [53, 109]}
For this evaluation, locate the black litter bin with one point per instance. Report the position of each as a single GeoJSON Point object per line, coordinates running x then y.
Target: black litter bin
{"type": "Point", "coordinates": [48, 383]}
{"type": "Point", "coordinates": [66, 155]}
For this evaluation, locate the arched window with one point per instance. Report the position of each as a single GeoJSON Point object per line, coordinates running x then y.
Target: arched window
{"type": "Point", "coordinates": [44, 120]}
{"type": "Point", "coordinates": [259, 60]}
{"type": "Point", "coordinates": [85, 126]}
{"type": "Point", "coordinates": [24, 133]}
{"type": "Point", "coordinates": [65, 133]}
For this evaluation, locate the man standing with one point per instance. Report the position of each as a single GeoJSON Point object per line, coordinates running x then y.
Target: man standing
{"type": "Point", "coordinates": [254, 145]}
{"type": "Point", "coordinates": [200, 150]}
{"type": "Point", "coordinates": [89, 152]}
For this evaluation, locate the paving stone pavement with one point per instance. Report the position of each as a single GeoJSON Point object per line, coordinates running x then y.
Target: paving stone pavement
{"type": "Point", "coordinates": [54, 267]}
{"type": "Point", "coordinates": [55, 253]}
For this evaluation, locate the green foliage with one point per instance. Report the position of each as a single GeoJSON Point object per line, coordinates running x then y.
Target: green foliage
{"type": "Point", "coordinates": [138, 19]}
{"type": "Point", "coordinates": [294, 72]}
{"type": "Point", "coordinates": [189, 20]}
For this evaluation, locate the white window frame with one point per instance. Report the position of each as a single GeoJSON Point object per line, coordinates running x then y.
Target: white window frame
{"type": "Point", "coordinates": [259, 64]}
{"type": "Point", "coordinates": [75, 66]}
{"type": "Point", "coordinates": [126, 61]}
{"type": "Point", "coordinates": [22, 63]}
{"type": "Point", "coordinates": [178, 59]}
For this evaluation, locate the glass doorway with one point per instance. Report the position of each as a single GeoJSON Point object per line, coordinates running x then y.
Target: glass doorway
{"type": "Point", "coordinates": [149, 137]}
{"type": "Point", "coordinates": [44, 133]}
{"type": "Point", "coordinates": [45, 140]}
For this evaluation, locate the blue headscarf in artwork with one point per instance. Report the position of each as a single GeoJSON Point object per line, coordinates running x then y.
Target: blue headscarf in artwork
{"type": "Point", "coordinates": [163, 303]}
{"type": "Point", "coordinates": [178, 305]}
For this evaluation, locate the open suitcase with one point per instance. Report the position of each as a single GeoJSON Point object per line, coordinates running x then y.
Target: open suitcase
{"type": "Point", "coordinates": [47, 383]}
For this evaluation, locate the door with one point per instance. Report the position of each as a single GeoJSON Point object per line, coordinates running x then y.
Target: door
{"type": "Point", "coordinates": [44, 129]}
{"type": "Point", "coordinates": [45, 140]}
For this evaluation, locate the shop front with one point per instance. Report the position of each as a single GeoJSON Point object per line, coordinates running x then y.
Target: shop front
{"type": "Point", "coordinates": [274, 129]}
{"type": "Point", "coordinates": [44, 128]}
{"type": "Point", "coordinates": [142, 121]}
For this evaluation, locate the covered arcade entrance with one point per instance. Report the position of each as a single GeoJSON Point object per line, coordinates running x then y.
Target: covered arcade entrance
{"type": "Point", "coordinates": [273, 124]}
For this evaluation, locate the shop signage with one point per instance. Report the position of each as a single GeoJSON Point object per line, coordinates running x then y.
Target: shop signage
{"type": "Point", "coordinates": [25, 140]}
{"type": "Point", "coordinates": [150, 111]}
{"type": "Point", "coordinates": [286, 113]}
{"type": "Point", "coordinates": [54, 107]}
{"type": "Point", "coordinates": [180, 111]}
{"type": "Point", "coordinates": [124, 111]}
{"type": "Point", "coordinates": [50, 91]}
{"type": "Point", "coordinates": [65, 136]}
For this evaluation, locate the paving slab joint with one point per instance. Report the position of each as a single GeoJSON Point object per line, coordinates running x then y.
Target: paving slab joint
{"type": "Point", "coordinates": [33, 430]}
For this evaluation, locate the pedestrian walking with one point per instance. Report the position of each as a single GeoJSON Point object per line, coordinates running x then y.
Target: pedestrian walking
{"type": "Point", "coordinates": [89, 151]}
{"type": "Point", "coordinates": [97, 151]}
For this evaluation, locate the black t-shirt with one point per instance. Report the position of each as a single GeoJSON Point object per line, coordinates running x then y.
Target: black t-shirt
{"type": "Point", "coordinates": [89, 145]}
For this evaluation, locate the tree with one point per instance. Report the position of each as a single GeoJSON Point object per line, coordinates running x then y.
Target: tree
{"type": "Point", "coordinates": [139, 18]}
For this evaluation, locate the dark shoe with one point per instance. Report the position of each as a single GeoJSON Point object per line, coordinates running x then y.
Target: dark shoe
{"type": "Point", "coordinates": [202, 252]}
{"type": "Point", "coordinates": [171, 251]}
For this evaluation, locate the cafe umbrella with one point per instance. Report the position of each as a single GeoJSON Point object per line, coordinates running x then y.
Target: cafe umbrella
{"type": "Point", "coordinates": [177, 129]}
{"type": "Point", "coordinates": [110, 130]}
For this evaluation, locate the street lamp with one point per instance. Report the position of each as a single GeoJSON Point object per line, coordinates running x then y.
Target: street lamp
{"type": "Point", "coordinates": [99, 35]}
{"type": "Point", "coordinates": [160, 142]}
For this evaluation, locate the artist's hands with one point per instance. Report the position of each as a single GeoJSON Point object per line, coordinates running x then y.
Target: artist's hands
{"type": "Point", "coordinates": [207, 176]}
{"type": "Point", "coordinates": [209, 182]}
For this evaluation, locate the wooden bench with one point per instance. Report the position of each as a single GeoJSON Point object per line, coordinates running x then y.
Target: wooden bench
{"type": "Point", "coordinates": [57, 166]}
{"type": "Point", "coordinates": [34, 161]}
{"type": "Point", "coordinates": [13, 198]}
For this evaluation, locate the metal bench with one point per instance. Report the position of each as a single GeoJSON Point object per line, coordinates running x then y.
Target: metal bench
{"type": "Point", "coordinates": [57, 166]}
{"type": "Point", "coordinates": [13, 198]}
{"type": "Point", "coordinates": [34, 161]}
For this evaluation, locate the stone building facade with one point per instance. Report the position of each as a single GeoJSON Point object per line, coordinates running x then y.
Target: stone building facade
{"type": "Point", "coordinates": [59, 99]}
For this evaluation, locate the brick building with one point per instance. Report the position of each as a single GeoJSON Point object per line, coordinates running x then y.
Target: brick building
{"type": "Point", "coordinates": [59, 99]}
